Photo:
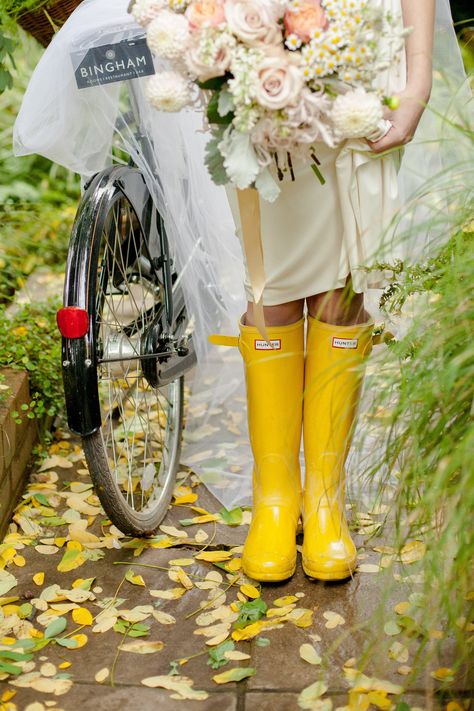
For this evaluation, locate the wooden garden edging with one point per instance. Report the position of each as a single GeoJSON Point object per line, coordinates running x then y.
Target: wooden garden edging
{"type": "Point", "coordinates": [16, 444]}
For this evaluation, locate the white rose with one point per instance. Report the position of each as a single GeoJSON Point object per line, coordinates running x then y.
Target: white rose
{"type": "Point", "coordinates": [168, 91]}
{"type": "Point", "coordinates": [207, 67]}
{"type": "Point", "coordinates": [279, 82]}
{"type": "Point", "coordinates": [253, 21]}
{"type": "Point", "coordinates": [357, 114]}
{"type": "Point", "coordinates": [168, 34]}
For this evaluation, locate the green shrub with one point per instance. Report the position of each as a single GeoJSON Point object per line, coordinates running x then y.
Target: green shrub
{"type": "Point", "coordinates": [30, 341]}
{"type": "Point", "coordinates": [37, 198]}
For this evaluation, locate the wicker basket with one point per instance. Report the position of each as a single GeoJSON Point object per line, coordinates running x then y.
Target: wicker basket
{"type": "Point", "coordinates": [45, 21]}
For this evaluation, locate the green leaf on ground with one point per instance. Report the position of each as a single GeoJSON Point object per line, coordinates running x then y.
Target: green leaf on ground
{"type": "Point", "coordinates": [232, 517]}
{"type": "Point", "coordinates": [55, 627]}
{"type": "Point", "coordinates": [250, 612]}
{"type": "Point", "coordinates": [235, 674]}
{"type": "Point", "coordinates": [216, 654]}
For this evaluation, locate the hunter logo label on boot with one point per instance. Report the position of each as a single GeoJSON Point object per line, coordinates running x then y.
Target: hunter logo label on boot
{"type": "Point", "coordinates": [344, 342]}
{"type": "Point", "coordinates": [262, 345]}
{"type": "Point", "coordinates": [128, 59]}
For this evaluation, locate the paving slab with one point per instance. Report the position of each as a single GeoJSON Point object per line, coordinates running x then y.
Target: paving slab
{"type": "Point", "coordinates": [280, 672]}
{"type": "Point", "coordinates": [93, 697]}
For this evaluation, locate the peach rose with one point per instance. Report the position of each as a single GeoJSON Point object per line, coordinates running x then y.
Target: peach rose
{"type": "Point", "coordinates": [307, 16]}
{"type": "Point", "coordinates": [279, 83]}
{"type": "Point", "coordinates": [205, 13]}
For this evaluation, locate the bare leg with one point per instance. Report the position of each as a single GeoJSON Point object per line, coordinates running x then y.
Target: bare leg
{"type": "Point", "coordinates": [342, 307]}
{"type": "Point", "coordinates": [281, 315]}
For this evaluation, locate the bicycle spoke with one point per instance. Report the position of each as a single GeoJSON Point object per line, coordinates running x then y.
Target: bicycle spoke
{"type": "Point", "coordinates": [138, 431]}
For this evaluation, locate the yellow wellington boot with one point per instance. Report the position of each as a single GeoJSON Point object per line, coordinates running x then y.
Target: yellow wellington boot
{"type": "Point", "coordinates": [274, 380]}
{"type": "Point", "coordinates": [333, 380]}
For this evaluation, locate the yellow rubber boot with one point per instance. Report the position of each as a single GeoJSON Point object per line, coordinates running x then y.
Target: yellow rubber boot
{"type": "Point", "coordinates": [274, 380]}
{"type": "Point", "coordinates": [333, 380]}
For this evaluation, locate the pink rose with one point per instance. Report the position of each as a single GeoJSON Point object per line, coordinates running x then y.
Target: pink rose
{"type": "Point", "coordinates": [307, 16]}
{"type": "Point", "coordinates": [205, 13]}
{"type": "Point", "coordinates": [253, 21]}
{"type": "Point", "coordinates": [279, 82]}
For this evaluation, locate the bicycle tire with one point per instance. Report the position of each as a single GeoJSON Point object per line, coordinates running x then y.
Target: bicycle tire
{"type": "Point", "coordinates": [108, 246]}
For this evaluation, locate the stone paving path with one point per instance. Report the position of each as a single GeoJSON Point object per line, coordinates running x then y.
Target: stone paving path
{"type": "Point", "coordinates": [280, 672]}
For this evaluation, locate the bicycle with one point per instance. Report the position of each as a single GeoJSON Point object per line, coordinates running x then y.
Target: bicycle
{"type": "Point", "coordinates": [126, 344]}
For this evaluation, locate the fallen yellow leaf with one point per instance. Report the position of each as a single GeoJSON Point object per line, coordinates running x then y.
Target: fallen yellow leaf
{"type": "Point", "coordinates": [401, 608]}
{"type": "Point", "coordinates": [38, 578]}
{"type": "Point", "coordinates": [142, 646]}
{"type": "Point", "coordinates": [185, 499]}
{"type": "Point", "coordinates": [285, 600]}
{"type": "Point", "coordinates": [214, 556]}
{"type": "Point", "coordinates": [379, 699]}
{"type": "Point", "coordinates": [333, 619]}
{"type": "Point", "coordinates": [250, 590]}
{"type": "Point", "coordinates": [309, 654]}
{"type": "Point", "coordinates": [7, 696]}
{"type": "Point", "coordinates": [412, 551]}
{"type": "Point", "coordinates": [234, 565]}
{"type": "Point", "coordinates": [102, 675]}
{"type": "Point", "coordinates": [300, 617]}
{"type": "Point", "coordinates": [184, 579]}
{"type": "Point", "coordinates": [172, 594]}
{"type": "Point", "coordinates": [368, 568]}
{"type": "Point", "coordinates": [235, 674]}
{"type": "Point", "coordinates": [173, 531]}
{"type": "Point", "coordinates": [180, 685]}
{"type": "Point", "coordinates": [134, 579]}
{"type": "Point", "coordinates": [443, 674]}
{"type": "Point", "coordinates": [80, 639]}
{"type": "Point", "coordinates": [82, 616]}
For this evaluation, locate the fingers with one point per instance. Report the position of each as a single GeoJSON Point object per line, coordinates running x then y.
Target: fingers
{"type": "Point", "coordinates": [393, 139]}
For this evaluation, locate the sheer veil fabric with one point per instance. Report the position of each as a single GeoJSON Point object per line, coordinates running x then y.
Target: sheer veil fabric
{"type": "Point", "coordinates": [75, 128]}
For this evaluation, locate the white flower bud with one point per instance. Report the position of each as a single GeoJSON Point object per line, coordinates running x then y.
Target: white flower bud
{"type": "Point", "coordinates": [168, 34]}
{"type": "Point", "coordinates": [168, 91]}
{"type": "Point", "coordinates": [357, 114]}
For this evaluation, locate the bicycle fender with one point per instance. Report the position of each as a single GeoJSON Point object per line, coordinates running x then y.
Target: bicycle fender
{"type": "Point", "coordinates": [80, 387]}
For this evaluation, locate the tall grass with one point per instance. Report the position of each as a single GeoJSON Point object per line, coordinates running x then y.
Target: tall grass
{"type": "Point", "coordinates": [424, 395]}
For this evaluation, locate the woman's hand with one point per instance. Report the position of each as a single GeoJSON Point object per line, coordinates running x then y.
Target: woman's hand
{"type": "Point", "coordinates": [404, 120]}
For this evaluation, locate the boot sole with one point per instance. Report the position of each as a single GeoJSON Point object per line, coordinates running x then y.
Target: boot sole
{"type": "Point", "coordinates": [266, 577]}
{"type": "Point", "coordinates": [328, 575]}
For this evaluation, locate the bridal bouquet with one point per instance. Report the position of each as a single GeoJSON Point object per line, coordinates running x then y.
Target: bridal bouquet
{"type": "Point", "coordinates": [275, 77]}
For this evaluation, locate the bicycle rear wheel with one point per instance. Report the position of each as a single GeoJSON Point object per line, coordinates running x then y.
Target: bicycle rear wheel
{"type": "Point", "coordinates": [133, 456]}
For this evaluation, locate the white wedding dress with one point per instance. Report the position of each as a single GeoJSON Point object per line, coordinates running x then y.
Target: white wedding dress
{"type": "Point", "coordinates": [313, 237]}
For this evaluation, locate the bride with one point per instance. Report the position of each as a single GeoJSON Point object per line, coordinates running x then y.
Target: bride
{"type": "Point", "coordinates": [316, 240]}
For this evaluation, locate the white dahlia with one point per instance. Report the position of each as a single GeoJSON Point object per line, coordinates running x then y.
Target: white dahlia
{"type": "Point", "coordinates": [168, 91]}
{"type": "Point", "coordinates": [357, 114]}
{"type": "Point", "coordinates": [144, 11]}
{"type": "Point", "coordinates": [168, 35]}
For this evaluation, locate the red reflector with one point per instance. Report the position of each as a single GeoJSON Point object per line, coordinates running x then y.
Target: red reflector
{"type": "Point", "coordinates": [73, 322]}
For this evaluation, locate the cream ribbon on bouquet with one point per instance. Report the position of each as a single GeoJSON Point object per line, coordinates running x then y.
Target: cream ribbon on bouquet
{"type": "Point", "coordinates": [249, 208]}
